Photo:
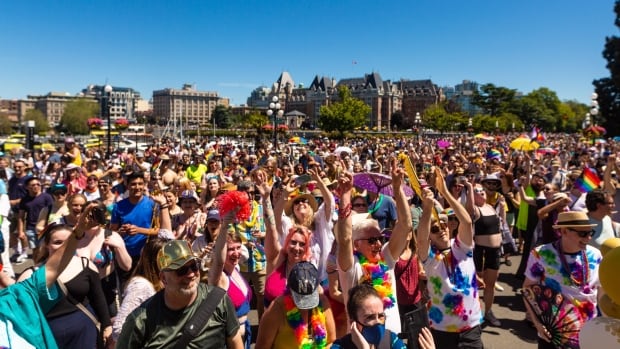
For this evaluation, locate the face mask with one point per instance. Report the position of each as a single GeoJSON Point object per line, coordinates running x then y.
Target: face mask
{"type": "Point", "coordinates": [373, 334]}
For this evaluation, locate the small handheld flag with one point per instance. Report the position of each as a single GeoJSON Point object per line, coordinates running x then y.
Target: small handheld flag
{"type": "Point", "coordinates": [588, 181]}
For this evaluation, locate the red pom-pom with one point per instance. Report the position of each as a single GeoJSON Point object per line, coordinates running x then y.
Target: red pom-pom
{"type": "Point", "coordinates": [233, 200]}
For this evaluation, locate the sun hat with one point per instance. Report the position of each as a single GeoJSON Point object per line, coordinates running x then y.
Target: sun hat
{"type": "Point", "coordinates": [573, 219]}
{"type": "Point", "coordinates": [491, 179]}
{"type": "Point", "coordinates": [174, 255]}
{"type": "Point", "coordinates": [58, 187]}
{"type": "Point", "coordinates": [288, 209]}
{"type": "Point", "coordinates": [303, 283]}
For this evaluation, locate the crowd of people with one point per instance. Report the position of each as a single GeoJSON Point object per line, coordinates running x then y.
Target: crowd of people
{"type": "Point", "coordinates": [363, 243]}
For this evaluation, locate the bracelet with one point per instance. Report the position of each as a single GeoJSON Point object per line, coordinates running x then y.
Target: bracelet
{"type": "Point", "coordinates": [162, 207]}
{"type": "Point", "coordinates": [345, 212]}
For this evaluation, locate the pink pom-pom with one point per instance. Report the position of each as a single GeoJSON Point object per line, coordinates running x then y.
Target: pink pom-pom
{"type": "Point", "coordinates": [235, 200]}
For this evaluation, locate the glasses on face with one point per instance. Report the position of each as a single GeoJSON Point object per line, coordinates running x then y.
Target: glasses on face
{"type": "Point", "coordinates": [438, 228]}
{"type": "Point", "coordinates": [182, 271]}
{"type": "Point", "coordinates": [478, 190]}
{"type": "Point", "coordinates": [583, 233]}
{"type": "Point", "coordinates": [374, 239]}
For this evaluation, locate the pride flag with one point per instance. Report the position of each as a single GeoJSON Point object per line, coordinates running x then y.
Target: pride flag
{"type": "Point", "coordinates": [494, 154]}
{"type": "Point", "coordinates": [588, 181]}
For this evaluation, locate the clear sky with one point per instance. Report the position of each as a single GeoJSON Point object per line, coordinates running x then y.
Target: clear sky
{"type": "Point", "coordinates": [233, 46]}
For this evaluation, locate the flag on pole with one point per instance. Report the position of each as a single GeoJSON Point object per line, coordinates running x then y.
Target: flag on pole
{"type": "Point", "coordinates": [588, 180]}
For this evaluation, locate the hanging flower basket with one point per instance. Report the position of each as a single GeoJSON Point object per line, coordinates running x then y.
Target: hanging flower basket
{"type": "Point", "coordinates": [121, 124]}
{"type": "Point", "coordinates": [94, 123]}
{"type": "Point", "coordinates": [268, 127]}
{"type": "Point", "coordinates": [282, 128]}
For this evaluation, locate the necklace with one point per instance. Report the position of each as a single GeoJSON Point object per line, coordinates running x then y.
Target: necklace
{"type": "Point", "coordinates": [448, 262]}
{"type": "Point", "coordinates": [317, 336]}
{"type": "Point", "coordinates": [376, 274]}
{"type": "Point", "coordinates": [585, 267]}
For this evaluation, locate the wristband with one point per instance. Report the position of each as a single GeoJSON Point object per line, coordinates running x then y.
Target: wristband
{"type": "Point", "coordinates": [345, 212]}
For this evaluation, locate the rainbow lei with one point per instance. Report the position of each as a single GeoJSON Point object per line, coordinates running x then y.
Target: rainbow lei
{"type": "Point", "coordinates": [317, 321]}
{"type": "Point", "coordinates": [376, 274]}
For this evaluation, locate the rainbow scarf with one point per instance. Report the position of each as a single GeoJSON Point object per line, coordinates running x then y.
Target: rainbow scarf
{"type": "Point", "coordinates": [588, 181]}
{"type": "Point", "coordinates": [300, 328]}
{"type": "Point", "coordinates": [377, 275]}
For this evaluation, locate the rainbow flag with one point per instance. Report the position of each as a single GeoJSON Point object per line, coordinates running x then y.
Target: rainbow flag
{"type": "Point", "coordinates": [494, 154]}
{"type": "Point", "coordinates": [588, 181]}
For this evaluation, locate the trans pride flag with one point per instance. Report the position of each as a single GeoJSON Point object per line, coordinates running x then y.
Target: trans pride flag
{"type": "Point", "coordinates": [588, 180]}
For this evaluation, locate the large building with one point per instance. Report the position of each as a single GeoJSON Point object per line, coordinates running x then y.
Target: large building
{"type": "Point", "coordinates": [185, 106]}
{"type": "Point", "coordinates": [52, 105]}
{"type": "Point", "coordinates": [462, 94]}
{"type": "Point", "coordinates": [120, 102]}
{"type": "Point", "coordinates": [417, 95]}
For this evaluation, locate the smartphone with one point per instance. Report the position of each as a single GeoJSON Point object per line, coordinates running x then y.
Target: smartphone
{"type": "Point", "coordinates": [98, 215]}
{"type": "Point", "coordinates": [303, 179]}
{"type": "Point", "coordinates": [415, 320]}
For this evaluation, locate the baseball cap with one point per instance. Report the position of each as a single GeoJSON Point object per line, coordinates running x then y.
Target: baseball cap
{"type": "Point", "coordinates": [189, 194]}
{"type": "Point", "coordinates": [174, 254]}
{"type": "Point", "coordinates": [303, 283]}
{"type": "Point", "coordinates": [213, 215]}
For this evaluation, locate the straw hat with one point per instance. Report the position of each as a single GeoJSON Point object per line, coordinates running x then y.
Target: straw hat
{"type": "Point", "coordinates": [288, 209]}
{"type": "Point", "coordinates": [573, 219]}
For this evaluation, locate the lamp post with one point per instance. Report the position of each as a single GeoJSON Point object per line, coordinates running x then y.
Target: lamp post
{"type": "Point", "coordinates": [418, 123]}
{"type": "Point", "coordinates": [594, 107]}
{"type": "Point", "coordinates": [470, 125]}
{"type": "Point", "coordinates": [107, 90]}
{"type": "Point", "coordinates": [274, 109]}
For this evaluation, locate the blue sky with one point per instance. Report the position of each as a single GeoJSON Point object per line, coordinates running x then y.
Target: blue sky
{"type": "Point", "coordinates": [233, 46]}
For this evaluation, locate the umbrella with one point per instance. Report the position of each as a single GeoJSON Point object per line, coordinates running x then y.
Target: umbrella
{"type": "Point", "coordinates": [443, 143]}
{"type": "Point", "coordinates": [299, 140]}
{"type": "Point", "coordinates": [600, 141]}
{"type": "Point", "coordinates": [616, 139]}
{"type": "Point", "coordinates": [596, 130]}
{"type": "Point", "coordinates": [547, 150]}
{"type": "Point", "coordinates": [557, 313]}
{"type": "Point", "coordinates": [341, 149]}
{"type": "Point", "coordinates": [484, 136]}
{"type": "Point", "coordinates": [378, 183]}
{"type": "Point", "coordinates": [524, 143]}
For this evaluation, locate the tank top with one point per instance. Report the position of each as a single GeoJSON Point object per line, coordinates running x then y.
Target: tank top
{"type": "Point", "coordinates": [487, 225]}
{"type": "Point", "coordinates": [275, 285]}
{"type": "Point", "coordinates": [240, 300]}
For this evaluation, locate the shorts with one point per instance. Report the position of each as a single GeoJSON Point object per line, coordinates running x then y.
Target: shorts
{"type": "Point", "coordinates": [32, 238]}
{"type": "Point", "coordinates": [470, 339]}
{"type": "Point", "coordinates": [487, 257]}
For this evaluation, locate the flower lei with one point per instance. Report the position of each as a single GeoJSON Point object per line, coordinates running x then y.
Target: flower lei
{"type": "Point", "coordinates": [317, 321]}
{"type": "Point", "coordinates": [376, 274]}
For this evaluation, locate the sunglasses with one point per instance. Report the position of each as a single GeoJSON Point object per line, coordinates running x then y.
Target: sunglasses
{"type": "Point", "coordinates": [452, 218]}
{"type": "Point", "coordinates": [478, 191]}
{"type": "Point", "coordinates": [182, 271]}
{"type": "Point", "coordinates": [374, 239]}
{"type": "Point", "coordinates": [360, 205]}
{"type": "Point", "coordinates": [583, 234]}
{"type": "Point", "coordinates": [436, 228]}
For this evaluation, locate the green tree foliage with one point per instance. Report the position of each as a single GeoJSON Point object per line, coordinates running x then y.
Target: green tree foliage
{"type": "Point", "coordinates": [345, 115]}
{"type": "Point", "coordinates": [608, 88]}
{"type": "Point", "coordinates": [255, 121]}
{"type": "Point", "coordinates": [541, 107]}
{"type": "Point", "coordinates": [40, 121]}
{"type": "Point", "coordinates": [74, 119]}
{"type": "Point", "coordinates": [222, 116]}
{"type": "Point", "coordinates": [6, 126]}
{"type": "Point", "coordinates": [494, 99]}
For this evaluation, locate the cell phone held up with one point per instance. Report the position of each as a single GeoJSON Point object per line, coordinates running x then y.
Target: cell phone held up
{"type": "Point", "coordinates": [302, 179]}
{"type": "Point", "coordinates": [98, 215]}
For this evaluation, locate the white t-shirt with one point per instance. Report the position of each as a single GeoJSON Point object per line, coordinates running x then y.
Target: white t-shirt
{"type": "Point", "coordinates": [604, 230]}
{"type": "Point", "coordinates": [352, 277]}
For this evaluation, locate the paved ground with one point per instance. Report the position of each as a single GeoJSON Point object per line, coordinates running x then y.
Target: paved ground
{"type": "Point", "coordinates": [514, 332]}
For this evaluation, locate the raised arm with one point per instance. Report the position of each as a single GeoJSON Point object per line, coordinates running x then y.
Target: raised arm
{"type": "Point", "coordinates": [328, 197]}
{"type": "Point", "coordinates": [272, 243]}
{"type": "Point", "coordinates": [216, 269]}
{"type": "Point", "coordinates": [404, 224]}
{"type": "Point", "coordinates": [608, 186]}
{"type": "Point", "coordinates": [424, 226]}
{"type": "Point", "coordinates": [465, 228]}
{"type": "Point", "coordinates": [344, 225]}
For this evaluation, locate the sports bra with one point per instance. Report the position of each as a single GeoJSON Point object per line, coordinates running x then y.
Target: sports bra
{"type": "Point", "coordinates": [240, 300]}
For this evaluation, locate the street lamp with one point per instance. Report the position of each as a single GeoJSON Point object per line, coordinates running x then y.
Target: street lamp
{"type": "Point", "coordinates": [418, 124]}
{"type": "Point", "coordinates": [594, 107]}
{"type": "Point", "coordinates": [470, 125]}
{"type": "Point", "coordinates": [107, 89]}
{"type": "Point", "coordinates": [274, 109]}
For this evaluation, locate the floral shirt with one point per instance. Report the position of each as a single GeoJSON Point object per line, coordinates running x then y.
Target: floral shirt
{"type": "Point", "coordinates": [453, 288]}
{"type": "Point", "coordinates": [545, 266]}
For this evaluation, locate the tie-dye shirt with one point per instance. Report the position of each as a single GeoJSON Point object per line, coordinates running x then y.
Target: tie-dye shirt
{"type": "Point", "coordinates": [454, 293]}
{"type": "Point", "coordinates": [545, 266]}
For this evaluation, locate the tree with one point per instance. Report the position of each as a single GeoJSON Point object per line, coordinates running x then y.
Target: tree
{"type": "Point", "coordinates": [40, 121]}
{"type": "Point", "coordinates": [74, 119]}
{"type": "Point", "coordinates": [6, 126]}
{"type": "Point", "coordinates": [494, 100]}
{"type": "Point", "coordinates": [255, 121]}
{"type": "Point", "coordinates": [222, 116]}
{"type": "Point", "coordinates": [541, 107]}
{"type": "Point", "coordinates": [345, 115]}
{"type": "Point", "coordinates": [608, 88]}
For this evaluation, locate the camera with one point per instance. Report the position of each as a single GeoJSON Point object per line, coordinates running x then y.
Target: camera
{"type": "Point", "coordinates": [98, 215]}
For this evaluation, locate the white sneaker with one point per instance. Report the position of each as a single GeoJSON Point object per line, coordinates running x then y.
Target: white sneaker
{"type": "Point", "coordinates": [21, 258]}
{"type": "Point", "coordinates": [499, 287]}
